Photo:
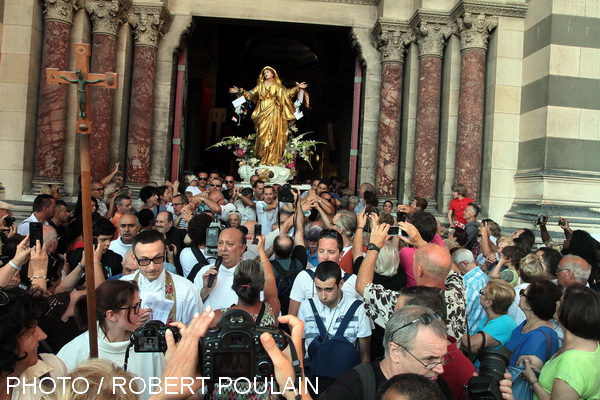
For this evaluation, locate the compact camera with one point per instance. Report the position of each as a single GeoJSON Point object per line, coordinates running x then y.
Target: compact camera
{"type": "Point", "coordinates": [491, 372]}
{"type": "Point", "coordinates": [150, 338]}
{"type": "Point", "coordinates": [233, 349]}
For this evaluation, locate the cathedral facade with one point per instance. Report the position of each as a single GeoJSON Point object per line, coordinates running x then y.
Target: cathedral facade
{"type": "Point", "coordinates": [500, 96]}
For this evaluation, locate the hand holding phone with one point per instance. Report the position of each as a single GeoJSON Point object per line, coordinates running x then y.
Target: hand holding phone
{"type": "Point", "coordinates": [257, 233]}
{"type": "Point", "coordinates": [36, 233]}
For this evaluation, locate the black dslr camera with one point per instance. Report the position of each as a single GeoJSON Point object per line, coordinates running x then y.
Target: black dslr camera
{"type": "Point", "coordinates": [150, 338]}
{"type": "Point", "coordinates": [233, 349]}
{"type": "Point", "coordinates": [486, 386]}
{"type": "Point", "coordinates": [284, 194]}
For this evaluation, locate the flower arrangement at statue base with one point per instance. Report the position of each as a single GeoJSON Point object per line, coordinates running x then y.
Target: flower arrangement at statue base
{"type": "Point", "coordinates": [244, 150]}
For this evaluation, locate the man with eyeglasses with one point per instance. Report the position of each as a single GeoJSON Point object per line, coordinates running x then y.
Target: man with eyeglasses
{"type": "Point", "coordinates": [571, 270]}
{"type": "Point", "coordinates": [179, 202]}
{"type": "Point", "coordinates": [229, 186]}
{"type": "Point", "coordinates": [216, 184]}
{"type": "Point", "coordinates": [203, 182]}
{"type": "Point", "coordinates": [97, 191]}
{"type": "Point", "coordinates": [177, 297]}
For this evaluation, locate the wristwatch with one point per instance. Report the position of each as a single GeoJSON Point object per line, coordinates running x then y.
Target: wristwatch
{"type": "Point", "coordinates": [371, 246]}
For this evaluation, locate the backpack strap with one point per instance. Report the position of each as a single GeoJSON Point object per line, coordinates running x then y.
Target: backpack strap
{"type": "Point", "coordinates": [318, 320]}
{"type": "Point", "coordinates": [346, 276]}
{"type": "Point", "coordinates": [278, 268]}
{"type": "Point", "coordinates": [347, 318]}
{"type": "Point", "coordinates": [202, 261]}
{"type": "Point", "coordinates": [311, 273]}
{"type": "Point", "coordinates": [366, 374]}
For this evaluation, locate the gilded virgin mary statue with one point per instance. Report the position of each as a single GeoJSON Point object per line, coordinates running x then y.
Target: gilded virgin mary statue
{"type": "Point", "coordinates": [273, 114]}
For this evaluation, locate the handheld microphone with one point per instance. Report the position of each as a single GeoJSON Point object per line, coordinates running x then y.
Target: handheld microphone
{"type": "Point", "coordinates": [211, 279]}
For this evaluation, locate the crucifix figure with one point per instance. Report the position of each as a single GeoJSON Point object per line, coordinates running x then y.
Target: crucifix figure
{"type": "Point", "coordinates": [81, 92]}
{"type": "Point", "coordinates": [83, 78]}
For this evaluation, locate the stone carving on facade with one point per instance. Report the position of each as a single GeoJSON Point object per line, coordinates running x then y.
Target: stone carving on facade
{"type": "Point", "coordinates": [148, 23]}
{"type": "Point", "coordinates": [474, 30]}
{"type": "Point", "coordinates": [431, 38]}
{"type": "Point", "coordinates": [106, 15]}
{"type": "Point", "coordinates": [392, 40]}
{"type": "Point", "coordinates": [59, 10]}
{"type": "Point", "coordinates": [489, 8]}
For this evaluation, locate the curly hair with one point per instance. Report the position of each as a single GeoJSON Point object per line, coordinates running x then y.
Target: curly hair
{"type": "Point", "coordinates": [21, 313]}
{"type": "Point", "coordinates": [197, 228]}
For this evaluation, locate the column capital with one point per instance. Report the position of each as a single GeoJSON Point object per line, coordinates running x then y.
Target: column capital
{"type": "Point", "coordinates": [59, 10]}
{"type": "Point", "coordinates": [106, 15]}
{"type": "Point", "coordinates": [392, 39]}
{"type": "Point", "coordinates": [431, 38]}
{"type": "Point", "coordinates": [149, 21]}
{"type": "Point", "coordinates": [474, 30]}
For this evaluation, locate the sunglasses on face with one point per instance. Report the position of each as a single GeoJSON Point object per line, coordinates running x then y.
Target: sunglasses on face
{"type": "Point", "coordinates": [144, 262]}
{"type": "Point", "coordinates": [203, 178]}
{"type": "Point", "coordinates": [229, 181]}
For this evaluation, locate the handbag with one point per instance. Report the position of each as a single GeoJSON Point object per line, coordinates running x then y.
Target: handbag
{"type": "Point", "coordinates": [521, 389]}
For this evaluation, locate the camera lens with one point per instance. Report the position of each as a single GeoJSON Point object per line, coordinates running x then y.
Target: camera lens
{"type": "Point", "coordinates": [264, 368]}
{"type": "Point", "coordinates": [494, 362]}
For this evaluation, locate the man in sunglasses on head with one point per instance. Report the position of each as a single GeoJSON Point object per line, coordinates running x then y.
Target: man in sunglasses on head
{"type": "Point", "coordinates": [173, 297]}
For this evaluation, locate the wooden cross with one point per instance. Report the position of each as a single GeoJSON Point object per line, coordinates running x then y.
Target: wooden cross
{"type": "Point", "coordinates": [83, 78]}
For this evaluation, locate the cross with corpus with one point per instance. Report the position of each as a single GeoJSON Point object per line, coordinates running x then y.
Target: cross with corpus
{"type": "Point", "coordinates": [83, 78]}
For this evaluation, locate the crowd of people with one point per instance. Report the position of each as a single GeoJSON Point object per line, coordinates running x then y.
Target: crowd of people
{"type": "Point", "coordinates": [379, 300]}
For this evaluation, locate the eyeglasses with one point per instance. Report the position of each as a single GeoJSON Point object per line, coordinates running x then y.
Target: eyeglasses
{"type": "Point", "coordinates": [229, 181]}
{"type": "Point", "coordinates": [101, 189]}
{"type": "Point", "coordinates": [429, 366]}
{"type": "Point", "coordinates": [135, 307]}
{"type": "Point", "coordinates": [4, 299]}
{"type": "Point", "coordinates": [144, 262]}
{"type": "Point", "coordinates": [213, 185]}
{"type": "Point", "coordinates": [522, 293]}
{"type": "Point", "coordinates": [329, 199]}
{"type": "Point", "coordinates": [425, 318]}
{"type": "Point", "coordinates": [203, 178]}
{"type": "Point", "coordinates": [481, 292]}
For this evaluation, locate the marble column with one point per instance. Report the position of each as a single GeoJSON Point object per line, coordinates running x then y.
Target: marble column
{"type": "Point", "coordinates": [392, 41]}
{"type": "Point", "coordinates": [106, 18]}
{"type": "Point", "coordinates": [431, 39]}
{"type": "Point", "coordinates": [474, 31]}
{"type": "Point", "coordinates": [147, 23]}
{"type": "Point", "coordinates": [52, 102]}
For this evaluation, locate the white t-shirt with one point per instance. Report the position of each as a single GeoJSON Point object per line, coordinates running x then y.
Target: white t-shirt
{"type": "Point", "coordinates": [304, 287]}
{"type": "Point", "coordinates": [119, 247]}
{"type": "Point", "coordinates": [221, 295]}
{"type": "Point", "coordinates": [226, 209]}
{"type": "Point", "coordinates": [247, 212]}
{"type": "Point", "coordinates": [267, 218]}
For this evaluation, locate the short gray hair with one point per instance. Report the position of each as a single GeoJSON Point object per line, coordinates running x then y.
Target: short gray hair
{"type": "Point", "coordinates": [405, 336]}
{"type": "Point", "coordinates": [347, 222]}
{"type": "Point", "coordinates": [388, 261]}
{"type": "Point", "coordinates": [461, 255]}
{"type": "Point", "coordinates": [575, 264]}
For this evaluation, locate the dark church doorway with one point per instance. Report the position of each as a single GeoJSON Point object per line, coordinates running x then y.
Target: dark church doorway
{"type": "Point", "coordinates": [225, 53]}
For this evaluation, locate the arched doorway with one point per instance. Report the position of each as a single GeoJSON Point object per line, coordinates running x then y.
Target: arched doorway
{"type": "Point", "coordinates": [224, 53]}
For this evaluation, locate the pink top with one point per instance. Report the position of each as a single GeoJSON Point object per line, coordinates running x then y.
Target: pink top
{"type": "Point", "coordinates": [407, 255]}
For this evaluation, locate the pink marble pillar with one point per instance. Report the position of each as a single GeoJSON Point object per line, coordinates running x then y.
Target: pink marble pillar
{"type": "Point", "coordinates": [474, 35]}
{"type": "Point", "coordinates": [52, 103]}
{"type": "Point", "coordinates": [147, 21]}
{"type": "Point", "coordinates": [392, 41]}
{"type": "Point", "coordinates": [106, 18]}
{"type": "Point", "coordinates": [141, 115]}
{"type": "Point", "coordinates": [431, 40]}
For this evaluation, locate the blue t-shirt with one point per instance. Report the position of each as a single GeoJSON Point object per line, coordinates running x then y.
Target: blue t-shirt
{"type": "Point", "coordinates": [534, 343]}
{"type": "Point", "coordinates": [500, 329]}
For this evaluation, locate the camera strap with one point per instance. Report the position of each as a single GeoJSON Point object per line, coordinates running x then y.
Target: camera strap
{"type": "Point", "coordinates": [127, 353]}
{"type": "Point", "coordinates": [295, 360]}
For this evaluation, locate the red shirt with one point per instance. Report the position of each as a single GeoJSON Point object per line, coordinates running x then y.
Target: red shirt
{"type": "Point", "coordinates": [458, 207]}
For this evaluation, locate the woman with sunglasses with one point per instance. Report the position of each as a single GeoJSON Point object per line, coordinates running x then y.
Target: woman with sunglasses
{"type": "Point", "coordinates": [118, 315]}
{"type": "Point", "coordinates": [495, 298]}
{"type": "Point", "coordinates": [572, 373]}
{"type": "Point", "coordinates": [536, 335]}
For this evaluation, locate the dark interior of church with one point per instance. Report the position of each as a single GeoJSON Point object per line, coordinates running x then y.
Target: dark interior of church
{"type": "Point", "coordinates": [225, 53]}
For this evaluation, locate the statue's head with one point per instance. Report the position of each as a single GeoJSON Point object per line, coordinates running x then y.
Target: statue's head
{"type": "Point", "coordinates": [268, 73]}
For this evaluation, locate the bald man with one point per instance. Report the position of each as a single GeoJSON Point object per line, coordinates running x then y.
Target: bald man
{"type": "Point", "coordinates": [432, 267]}
{"type": "Point", "coordinates": [215, 201]}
